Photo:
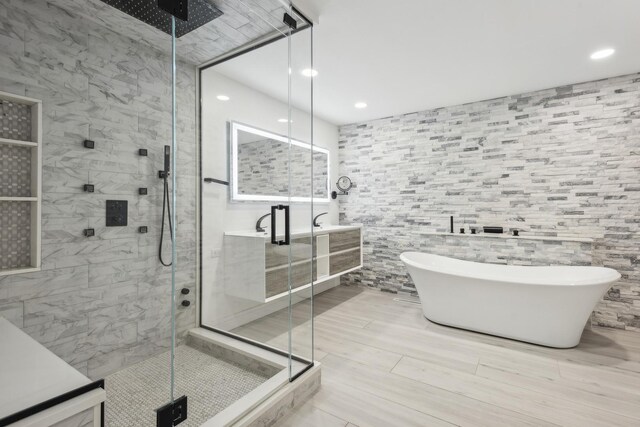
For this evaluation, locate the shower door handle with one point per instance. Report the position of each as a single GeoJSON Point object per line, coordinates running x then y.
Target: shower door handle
{"type": "Point", "coordinates": [287, 230]}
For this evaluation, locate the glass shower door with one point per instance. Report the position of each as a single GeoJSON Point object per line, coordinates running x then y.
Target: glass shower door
{"type": "Point", "coordinates": [255, 148]}
{"type": "Point", "coordinates": [174, 411]}
{"type": "Point", "coordinates": [256, 127]}
{"type": "Point", "coordinates": [303, 259]}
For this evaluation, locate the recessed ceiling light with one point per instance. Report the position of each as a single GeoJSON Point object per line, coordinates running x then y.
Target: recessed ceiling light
{"type": "Point", "coordinates": [360, 105]}
{"type": "Point", "coordinates": [285, 120]}
{"type": "Point", "coordinates": [223, 97]}
{"type": "Point", "coordinates": [309, 72]}
{"type": "Point", "coordinates": [601, 54]}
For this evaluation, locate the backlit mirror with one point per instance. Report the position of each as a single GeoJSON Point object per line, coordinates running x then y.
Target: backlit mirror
{"type": "Point", "coordinates": [259, 162]}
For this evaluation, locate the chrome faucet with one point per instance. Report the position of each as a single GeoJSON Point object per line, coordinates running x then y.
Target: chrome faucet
{"type": "Point", "coordinates": [315, 220]}
{"type": "Point", "coordinates": [259, 227]}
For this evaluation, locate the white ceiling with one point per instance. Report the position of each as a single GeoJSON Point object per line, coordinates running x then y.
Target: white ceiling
{"type": "Point", "coordinates": [409, 55]}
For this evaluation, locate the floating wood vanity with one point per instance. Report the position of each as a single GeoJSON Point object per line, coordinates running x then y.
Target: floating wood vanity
{"type": "Point", "coordinates": [257, 270]}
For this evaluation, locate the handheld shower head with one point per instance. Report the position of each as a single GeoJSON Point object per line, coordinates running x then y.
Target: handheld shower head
{"type": "Point", "coordinates": [164, 173]}
{"type": "Point", "coordinates": [166, 203]}
{"type": "Point", "coordinates": [167, 160]}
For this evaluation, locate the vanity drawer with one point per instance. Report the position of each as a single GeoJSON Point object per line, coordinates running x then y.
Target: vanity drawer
{"type": "Point", "coordinates": [256, 270]}
{"type": "Point", "coordinates": [276, 280]}
{"type": "Point", "coordinates": [279, 255]}
{"type": "Point", "coordinates": [339, 241]}
{"type": "Point", "coordinates": [344, 261]}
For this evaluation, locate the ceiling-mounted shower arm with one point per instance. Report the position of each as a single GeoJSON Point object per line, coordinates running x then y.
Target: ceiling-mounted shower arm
{"type": "Point", "coordinates": [177, 8]}
{"type": "Point", "coordinates": [290, 21]}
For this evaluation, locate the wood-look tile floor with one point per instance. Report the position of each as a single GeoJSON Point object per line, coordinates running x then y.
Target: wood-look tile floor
{"type": "Point", "coordinates": [384, 364]}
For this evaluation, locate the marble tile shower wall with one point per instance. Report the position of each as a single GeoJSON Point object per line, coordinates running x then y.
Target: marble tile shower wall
{"type": "Point", "coordinates": [557, 162]}
{"type": "Point", "coordinates": [102, 302]}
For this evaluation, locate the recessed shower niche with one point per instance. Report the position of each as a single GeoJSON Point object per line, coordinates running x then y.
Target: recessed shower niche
{"type": "Point", "coordinates": [20, 183]}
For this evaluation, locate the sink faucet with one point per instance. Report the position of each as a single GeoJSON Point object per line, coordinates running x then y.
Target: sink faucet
{"type": "Point", "coordinates": [259, 227]}
{"type": "Point", "coordinates": [315, 220]}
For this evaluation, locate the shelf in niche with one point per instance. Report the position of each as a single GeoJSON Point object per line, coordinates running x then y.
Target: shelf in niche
{"type": "Point", "coordinates": [18, 199]}
{"type": "Point", "coordinates": [21, 214]}
{"type": "Point", "coordinates": [18, 142]}
{"type": "Point", "coordinates": [18, 270]}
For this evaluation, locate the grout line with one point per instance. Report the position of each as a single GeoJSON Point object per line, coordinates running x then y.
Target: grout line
{"type": "Point", "coordinates": [366, 324]}
{"type": "Point", "coordinates": [485, 402]}
{"type": "Point", "coordinates": [566, 397]}
{"type": "Point", "coordinates": [327, 412]}
{"type": "Point", "coordinates": [402, 405]}
{"type": "Point", "coordinates": [394, 366]}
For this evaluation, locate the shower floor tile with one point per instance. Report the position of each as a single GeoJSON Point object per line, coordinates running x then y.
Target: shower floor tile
{"type": "Point", "coordinates": [211, 385]}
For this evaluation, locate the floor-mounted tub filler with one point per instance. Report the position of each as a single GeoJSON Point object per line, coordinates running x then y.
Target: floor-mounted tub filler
{"type": "Point", "coordinates": [541, 305]}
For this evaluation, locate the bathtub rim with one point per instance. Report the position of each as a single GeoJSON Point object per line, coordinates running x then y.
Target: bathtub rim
{"type": "Point", "coordinates": [615, 275]}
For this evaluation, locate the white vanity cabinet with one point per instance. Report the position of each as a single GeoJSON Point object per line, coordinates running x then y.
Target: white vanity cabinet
{"type": "Point", "coordinates": [257, 270]}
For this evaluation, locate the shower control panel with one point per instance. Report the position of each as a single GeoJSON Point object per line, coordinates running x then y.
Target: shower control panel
{"type": "Point", "coordinates": [117, 213]}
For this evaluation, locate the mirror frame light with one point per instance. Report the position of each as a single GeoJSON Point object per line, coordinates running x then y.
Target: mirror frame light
{"type": "Point", "coordinates": [234, 127]}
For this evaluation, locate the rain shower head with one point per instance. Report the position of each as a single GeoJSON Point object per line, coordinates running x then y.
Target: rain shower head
{"type": "Point", "coordinates": [200, 12]}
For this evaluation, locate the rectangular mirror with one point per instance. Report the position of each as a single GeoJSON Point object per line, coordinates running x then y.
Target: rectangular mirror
{"type": "Point", "coordinates": [259, 162]}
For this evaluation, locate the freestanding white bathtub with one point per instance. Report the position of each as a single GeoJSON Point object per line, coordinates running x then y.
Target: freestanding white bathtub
{"type": "Point", "coordinates": [541, 305]}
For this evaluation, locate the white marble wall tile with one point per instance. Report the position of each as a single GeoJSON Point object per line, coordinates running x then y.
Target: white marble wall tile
{"type": "Point", "coordinates": [64, 180]}
{"type": "Point", "coordinates": [107, 335]}
{"type": "Point", "coordinates": [91, 251]}
{"type": "Point", "coordinates": [42, 284]}
{"type": "Point", "coordinates": [13, 312]}
{"type": "Point", "coordinates": [106, 273]}
{"type": "Point", "coordinates": [75, 305]}
{"type": "Point", "coordinates": [102, 303]}
{"type": "Point", "coordinates": [56, 331]}
{"type": "Point", "coordinates": [10, 40]}
{"type": "Point", "coordinates": [62, 205]}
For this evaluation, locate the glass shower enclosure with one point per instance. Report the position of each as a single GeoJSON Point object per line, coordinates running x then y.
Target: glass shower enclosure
{"type": "Point", "coordinates": [256, 161]}
{"type": "Point", "coordinates": [256, 157]}
{"type": "Point", "coordinates": [167, 133]}
{"type": "Point", "coordinates": [258, 194]}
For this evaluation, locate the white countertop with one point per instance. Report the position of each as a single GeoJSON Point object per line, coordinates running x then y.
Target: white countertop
{"type": "Point", "coordinates": [29, 373]}
{"type": "Point", "coordinates": [295, 233]}
{"type": "Point", "coordinates": [509, 236]}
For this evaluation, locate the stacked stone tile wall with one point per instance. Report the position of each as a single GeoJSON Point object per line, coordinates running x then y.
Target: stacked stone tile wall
{"type": "Point", "coordinates": [556, 162]}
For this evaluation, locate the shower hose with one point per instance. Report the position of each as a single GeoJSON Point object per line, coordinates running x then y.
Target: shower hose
{"type": "Point", "coordinates": [165, 204]}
